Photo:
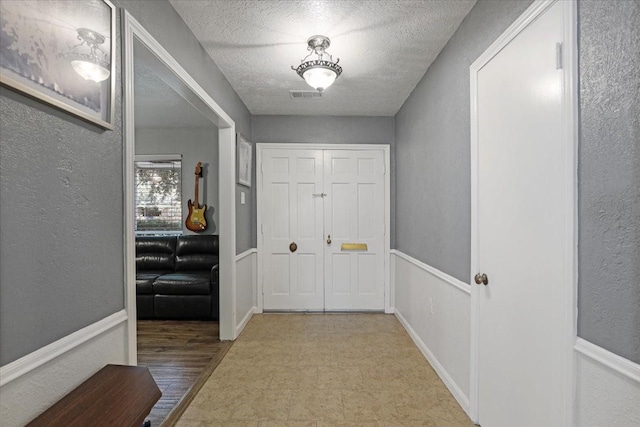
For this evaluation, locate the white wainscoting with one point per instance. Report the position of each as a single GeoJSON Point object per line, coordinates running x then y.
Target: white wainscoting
{"type": "Point", "coordinates": [434, 308]}
{"type": "Point", "coordinates": [36, 381]}
{"type": "Point", "coordinates": [246, 288]}
{"type": "Point", "coordinates": [607, 388]}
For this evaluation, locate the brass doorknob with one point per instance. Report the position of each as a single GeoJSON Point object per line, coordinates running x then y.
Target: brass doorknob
{"type": "Point", "coordinates": [481, 279]}
{"type": "Point", "coordinates": [293, 247]}
{"type": "Point", "coordinates": [329, 239]}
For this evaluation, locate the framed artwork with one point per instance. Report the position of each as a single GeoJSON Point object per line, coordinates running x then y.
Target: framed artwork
{"type": "Point", "coordinates": [61, 52]}
{"type": "Point", "coordinates": [244, 156]}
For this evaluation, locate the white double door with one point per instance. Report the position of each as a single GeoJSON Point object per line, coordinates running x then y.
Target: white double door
{"type": "Point", "coordinates": [323, 229]}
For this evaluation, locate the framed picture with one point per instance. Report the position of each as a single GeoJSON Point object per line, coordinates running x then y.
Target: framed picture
{"type": "Point", "coordinates": [243, 154]}
{"type": "Point", "coordinates": [61, 52]}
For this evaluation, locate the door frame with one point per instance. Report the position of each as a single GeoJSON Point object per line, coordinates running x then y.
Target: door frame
{"type": "Point", "coordinates": [172, 73]}
{"type": "Point", "coordinates": [569, 60]}
{"type": "Point", "coordinates": [386, 148]}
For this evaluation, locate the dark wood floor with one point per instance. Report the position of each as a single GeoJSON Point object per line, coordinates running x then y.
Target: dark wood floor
{"type": "Point", "coordinates": [180, 356]}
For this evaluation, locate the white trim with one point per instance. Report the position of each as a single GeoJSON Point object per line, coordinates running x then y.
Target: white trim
{"type": "Point", "coordinates": [245, 320]}
{"type": "Point", "coordinates": [386, 148]}
{"type": "Point", "coordinates": [310, 146]}
{"type": "Point", "coordinates": [440, 370]}
{"type": "Point", "coordinates": [246, 254]}
{"type": "Point", "coordinates": [34, 360]}
{"type": "Point", "coordinates": [458, 284]}
{"type": "Point", "coordinates": [570, 122]}
{"type": "Point", "coordinates": [128, 167]}
{"type": "Point", "coordinates": [571, 129]}
{"type": "Point", "coordinates": [387, 230]}
{"type": "Point", "coordinates": [611, 360]}
{"type": "Point", "coordinates": [227, 226]}
{"type": "Point", "coordinates": [157, 157]}
{"type": "Point", "coordinates": [181, 81]}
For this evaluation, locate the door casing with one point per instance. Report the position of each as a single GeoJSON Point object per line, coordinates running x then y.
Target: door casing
{"type": "Point", "coordinates": [260, 147]}
{"type": "Point", "coordinates": [569, 58]}
{"type": "Point", "coordinates": [181, 81]}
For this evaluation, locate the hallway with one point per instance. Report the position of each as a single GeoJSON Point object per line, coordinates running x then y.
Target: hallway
{"type": "Point", "coordinates": [324, 370]}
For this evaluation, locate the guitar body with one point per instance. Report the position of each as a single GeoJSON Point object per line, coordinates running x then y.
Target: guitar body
{"type": "Point", "coordinates": [196, 220]}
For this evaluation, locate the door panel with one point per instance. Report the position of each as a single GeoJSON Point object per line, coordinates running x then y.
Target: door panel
{"type": "Point", "coordinates": [354, 213]}
{"type": "Point", "coordinates": [292, 214]}
{"type": "Point", "coordinates": [521, 230]}
{"type": "Point", "coordinates": [308, 195]}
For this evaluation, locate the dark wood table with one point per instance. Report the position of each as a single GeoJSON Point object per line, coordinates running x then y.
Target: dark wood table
{"type": "Point", "coordinates": [116, 395]}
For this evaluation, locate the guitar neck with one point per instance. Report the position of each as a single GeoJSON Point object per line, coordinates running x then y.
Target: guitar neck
{"type": "Point", "coordinates": [197, 204]}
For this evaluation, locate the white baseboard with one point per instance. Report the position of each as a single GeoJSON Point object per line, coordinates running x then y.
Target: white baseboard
{"type": "Point", "coordinates": [245, 299]}
{"type": "Point", "coordinates": [53, 371]}
{"type": "Point", "coordinates": [434, 308]}
{"type": "Point", "coordinates": [245, 320]}
{"type": "Point", "coordinates": [47, 353]}
{"type": "Point", "coordinates": [457, 393]}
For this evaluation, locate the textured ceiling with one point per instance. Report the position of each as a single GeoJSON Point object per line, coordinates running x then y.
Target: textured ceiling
{"type": "Point", "coordinates": [384, 47]}
{"type": "Point", "coordinates": [159, 106]}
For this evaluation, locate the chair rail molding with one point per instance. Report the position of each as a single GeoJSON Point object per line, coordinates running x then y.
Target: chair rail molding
{"type": "Point", "coordinates": [34, 360]}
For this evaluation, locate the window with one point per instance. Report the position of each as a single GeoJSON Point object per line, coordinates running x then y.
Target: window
{"type": "Point", "coordinates": [158, 194]}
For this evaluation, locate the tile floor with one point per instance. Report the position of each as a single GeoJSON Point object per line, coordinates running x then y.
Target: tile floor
{"type": "Point", "coordinates": [324, 370]}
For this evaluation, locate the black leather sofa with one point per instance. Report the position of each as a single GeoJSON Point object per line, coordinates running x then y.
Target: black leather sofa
{"type": "Point", "coordinates": [177, 277]}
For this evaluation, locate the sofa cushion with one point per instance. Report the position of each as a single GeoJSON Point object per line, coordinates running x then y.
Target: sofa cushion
{"type": "Point", "coordinates": [182, 284]}
{"type": "Point", "coordinates": [144, 283]}
{"type": "Point", "coordinates": [155, 253]}
{"type": "Point", "coordinates": [196, 253]}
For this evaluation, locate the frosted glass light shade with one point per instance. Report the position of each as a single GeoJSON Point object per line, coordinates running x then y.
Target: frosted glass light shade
{"type": "Point", "coordinates": [319, 78]}
{"type": "Point", "coordinates": [90, 70]}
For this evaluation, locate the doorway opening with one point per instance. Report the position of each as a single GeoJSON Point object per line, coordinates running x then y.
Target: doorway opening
{"type": "Point", "coordinates": [179, 145]}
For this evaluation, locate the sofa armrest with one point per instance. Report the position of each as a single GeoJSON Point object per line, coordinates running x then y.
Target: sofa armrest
{"type": "Point", "coordinates": [215, 293]}
{"type": "Point", "coordinates": [214, 274]}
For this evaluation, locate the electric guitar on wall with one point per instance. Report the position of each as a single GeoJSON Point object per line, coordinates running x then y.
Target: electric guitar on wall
{"type": "Point", "coordinates": [195, 219]}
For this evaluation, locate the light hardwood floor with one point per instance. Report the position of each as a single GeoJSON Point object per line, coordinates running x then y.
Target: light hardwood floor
{"type": "Point", "coordinates": [180, 356]}
{"type": "Point", "coordinates": [324, 370]}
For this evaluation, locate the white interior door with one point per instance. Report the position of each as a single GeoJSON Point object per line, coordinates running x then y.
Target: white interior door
{"type": "Point", "coordinates": [292, 215]}
{"type": "Point", "coordinates": [522, 230]}
{"type": "Point", "coordinates": [311, 198]}
{"type": "Point", "coordinates": [354, 220]}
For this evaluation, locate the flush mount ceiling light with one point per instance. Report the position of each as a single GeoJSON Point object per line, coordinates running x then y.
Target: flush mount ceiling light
{"type": "Point", "coordinates": [89, 64]}
{"type": "Point", "coordinates": [318, 73]}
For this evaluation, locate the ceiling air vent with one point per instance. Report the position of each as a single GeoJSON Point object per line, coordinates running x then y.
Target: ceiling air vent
{"type": "Point", "coordinates": [304, 94]}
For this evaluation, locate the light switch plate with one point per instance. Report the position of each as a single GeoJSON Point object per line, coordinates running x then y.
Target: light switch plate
{"type": "Point", "coordinates": [243, 200]}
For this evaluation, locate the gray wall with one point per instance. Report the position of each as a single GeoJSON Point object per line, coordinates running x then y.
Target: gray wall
{"type": "Point", "coordinates": [432, 146]}
{"type": "Point", "coordinates": [61, 216]}
{"type": "Point", "coordinates": [61, 221]}
{"type": "Point", "coordinates": [609, 176]}
{"type": "Point", "coordinates": [195, 145]}
{"type": "Point", "coordinates": [329, 130]}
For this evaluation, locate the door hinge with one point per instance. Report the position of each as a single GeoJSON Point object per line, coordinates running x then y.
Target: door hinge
{"type": "Point", "coordinates": [558, 56]}
{"type": "Point", "coordinates": [261, 228]}
{"type": "Point", "coordinates": [261, 167]}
